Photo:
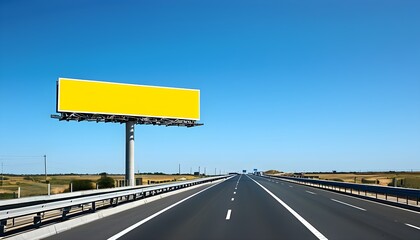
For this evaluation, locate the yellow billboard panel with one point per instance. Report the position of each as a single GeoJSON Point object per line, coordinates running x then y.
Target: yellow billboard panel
{"type": "Point", "coordinates": [82, 96]}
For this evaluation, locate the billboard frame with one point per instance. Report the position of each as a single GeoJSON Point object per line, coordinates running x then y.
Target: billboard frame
{"type": "Point", "coordinates": [122, 118]}
{"type": "Point", "coordinates": [99, 113]}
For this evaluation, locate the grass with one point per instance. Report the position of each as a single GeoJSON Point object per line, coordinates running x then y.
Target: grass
{"type": "Point", "coordinates": [35, 185]}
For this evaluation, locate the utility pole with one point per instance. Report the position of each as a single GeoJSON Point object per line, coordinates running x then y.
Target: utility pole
{"type": "Point", "coordinates": [2, 174]}
{"type": "Point", "coordinates": [45, 167]}
{"type": "Point", "coordinates": [204, 171]}
{"type": "Point", "coordinates": [179, 169]}
{"type": "Point", "coordinates": [215, 171]}
{"type": "Point", "coordinates": [190, 170]}
{"type": "Point", "coordinates": [198, 170]}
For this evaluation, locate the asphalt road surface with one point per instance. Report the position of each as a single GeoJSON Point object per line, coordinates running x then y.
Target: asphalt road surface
{"type": "Point", "coordinates": [252, 207]}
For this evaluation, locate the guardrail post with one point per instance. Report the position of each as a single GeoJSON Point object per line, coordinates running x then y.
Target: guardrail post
{"type": "Point", "coordinates": [37, 220]}
{"type": "Point", "coordinates": [49, 189]}
{"type": "Point", "coordinates": [65, 211]}
{"type": "Point", "coordinates": [71, 187]}
{"type": "Point", "coordinates": [18, 192]}
{"type": "Point", "coordinates": [407, 199]}
{"type": "Point", "coordinates": [3, 224]}
{"type": "Point", "coordinates": [93, 209]}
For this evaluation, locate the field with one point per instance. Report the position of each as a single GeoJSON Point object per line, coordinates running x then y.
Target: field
{"type": "Point", "coordinates": [35, 185]}
{"type": "Point", "coordinates": [400, 179]}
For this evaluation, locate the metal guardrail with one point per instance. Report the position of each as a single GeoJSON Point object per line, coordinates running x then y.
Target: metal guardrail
{"type": "Point", "coordinates": [27, 201]}
{"type": "Point", "coordinates": [66, 203]}
{"type": "Point", "coordinates": [406, 193]}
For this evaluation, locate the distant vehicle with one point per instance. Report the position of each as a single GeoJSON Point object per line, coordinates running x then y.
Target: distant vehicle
{"type": "Point", "coordinates": [243, 171]}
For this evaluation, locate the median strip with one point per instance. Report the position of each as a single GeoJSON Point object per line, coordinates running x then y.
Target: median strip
{"type": "Point", "coordinates": [313, 230]}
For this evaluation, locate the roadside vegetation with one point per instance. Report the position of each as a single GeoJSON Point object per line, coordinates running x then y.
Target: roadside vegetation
{"type": "Point", "coordinates": [36, 185]}
{"type": "Point", "coordinates": [397, 179]}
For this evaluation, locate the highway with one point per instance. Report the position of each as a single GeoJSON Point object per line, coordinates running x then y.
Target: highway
{"type": "Point", "coordinates": [252, 207]}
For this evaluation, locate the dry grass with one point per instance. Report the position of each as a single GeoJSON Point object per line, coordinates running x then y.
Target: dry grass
{"type": "Point", "coordinates": [35, 185]}
{"type": "Point", "coordinates": [382, 178]}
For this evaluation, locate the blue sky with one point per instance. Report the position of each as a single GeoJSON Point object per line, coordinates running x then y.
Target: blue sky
{"type": "Point", "coordinates": [286, 85]}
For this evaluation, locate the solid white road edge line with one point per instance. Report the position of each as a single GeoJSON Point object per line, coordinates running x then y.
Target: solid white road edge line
{"type": "Point", "coordinates": [294, 213]}
{"type": "Point", "coordinates": [348, 204]}
{"type": "Point", "coordinates": [125, 231]}
{"type": "Point", "coordinates": [228, 214]}
{"type": "Point", "coordinates": [311, 192]}
{"type": "Point", "coordinates": [418, 228]}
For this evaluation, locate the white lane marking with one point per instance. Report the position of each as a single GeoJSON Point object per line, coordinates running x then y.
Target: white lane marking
{"type": "Point", "coordinates": [348, 204]}
{"type": "Point", "coordinates": [236, 188]}
{"type": "Point", "coordinates": [360, 199]}
{"type": "Point", "coordinates": [295, 214]}
{"type": "Point", "coordinates": [232, 199]}
{"type": "Point", "coordinates": [418, 228]}
{"type": "Point", "coordinates": [310, 192]}
{"type": "Point", "coordinates": [290, 186]}
{"type": "Point", "coordinates": [234, 192]}
{"type": "Point", "coordinates": [228, 214]}
{"type": "Point", "coordinates": [277, 182]}
{"type": "Point", "coordinates": [125, 231]}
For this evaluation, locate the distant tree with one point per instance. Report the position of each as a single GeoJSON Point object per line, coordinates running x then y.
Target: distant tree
{"type": "Point", "coordinates": [272, 172]}
{"type": "Point", "coordinates": [105, 181]}
{"type": "Point", "coordinates": [82, 184]}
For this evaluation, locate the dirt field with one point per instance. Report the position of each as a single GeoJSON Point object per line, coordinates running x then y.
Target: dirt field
{"type": "Point", "coordinates": [36, 185]}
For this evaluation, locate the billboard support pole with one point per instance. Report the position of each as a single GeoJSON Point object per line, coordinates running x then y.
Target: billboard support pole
{"type": "Point", "coordinates": [129, 153]}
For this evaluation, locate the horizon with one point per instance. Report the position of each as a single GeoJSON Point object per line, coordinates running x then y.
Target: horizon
{"type": "Point", "coordinates": [296, 87]}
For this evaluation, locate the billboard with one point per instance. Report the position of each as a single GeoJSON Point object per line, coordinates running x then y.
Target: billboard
{"type": "Point", "coordinates": [85, 96]}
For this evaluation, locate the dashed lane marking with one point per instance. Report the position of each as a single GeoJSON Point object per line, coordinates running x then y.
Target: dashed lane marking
{"type": "Point", "coordinates": [348, 204]}
{"type": "Point", "coordinates": [228, 214]}
{"type": "Point", "coordinates": [418, 228]}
